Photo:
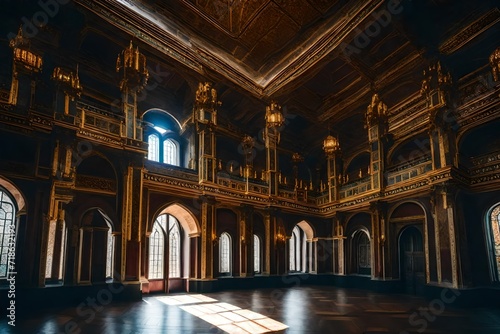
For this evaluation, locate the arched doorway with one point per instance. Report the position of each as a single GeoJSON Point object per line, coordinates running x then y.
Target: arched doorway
{"type": "Point", "coordinates": [301, 253]}
{"type": "Point", "coordinates": [411, 257]}
{"type": "Point", "coordinates": [361, 253]}
{"type": "Point", "coordinates": [96, 248]}
{"type": "Point", "coordinates": [493, 241]}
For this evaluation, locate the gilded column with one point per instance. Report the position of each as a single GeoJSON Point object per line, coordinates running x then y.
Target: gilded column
{"type": "Point", "coordinates": [205, 119]}
{"type": "Point", "coordinates": [27, 65]}
{"type": "Point", "coordinates": [247, 246]}
{"type": "Point", "coordinates": [274, 120]}
{"type": "Point", "coordinates": [131, 65]}
{"type": "Point", "coordinates": [452, 256]}
{"type": "Point", "coordinates": [331, 146]}
{"type": "Point", "coordinates": [131, 224]}
{"type": "Point", "coordinates": [208, 236]}
{"type": "Point", "coordinates": [68, 89]}
{"type": "Point", "coordinates": [376, 123]}
{"type": "Point", "coordinates": [338, 244]}
{"type": "Point", "coordinates": [436, 87]}
{"type": "Point", "coordinates": [378, 253]}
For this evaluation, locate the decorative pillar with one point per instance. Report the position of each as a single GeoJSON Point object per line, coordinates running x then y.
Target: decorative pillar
{"type": "Point", "coordinates": [312, 245]}
{"type": "Point", "coordinates": [436, 87]}
{"type": "Point", "coordinates": [452, 259]}
{"type": "Point", "coordinates": [205, 118]}
{"type": "Point", "coordinates": [131, 65]}
{"type": "Point", "coordinates": [495, 64]}
{"type": "Point", "coordinates": [247, 246]}
{"type": "Point", "coordinates": [68, 88]}
{"type": "Point", "coordinates": [208, 236]}
{"type": "Point", "coordinates": [131, 224]}
{"type": "Point", "coordinates": [274, 120]}
{"type": "Point", "coordinates": [376, 123]}
{"type": "Point", "coordinates": [331, 146]}
{"type": "Point", "coordinates": [378, 252]}
{"type": "Point", "coordinates": [27, 65]}
{"type": "Point", "coordinates": [247, 145]}
{"type": "Point", "coordinates": [338, 244]}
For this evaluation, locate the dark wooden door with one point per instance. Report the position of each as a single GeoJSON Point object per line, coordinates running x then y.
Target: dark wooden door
{"type": "Point", "coordinates": [412, 260]}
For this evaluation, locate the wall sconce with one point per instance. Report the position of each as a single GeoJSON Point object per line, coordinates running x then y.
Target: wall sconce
{"type": "Point", "coordinates": [280, 235]}
{"type": "Point", "coordinates": [215, 239]}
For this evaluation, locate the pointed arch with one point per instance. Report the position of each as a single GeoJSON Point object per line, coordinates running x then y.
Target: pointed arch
{"type": "Point", "coordinates": [16, 194]}
{"type": "Point", "coordinates": [307, 228]}
{"type": "Point", "coordinates": [492, 235]}
{"type": "Point", "coordinates": [185, 217]}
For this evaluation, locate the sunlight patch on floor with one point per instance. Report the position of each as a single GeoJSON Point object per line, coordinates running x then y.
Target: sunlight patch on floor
{"type": "Point", "coordinates": [227, 317]}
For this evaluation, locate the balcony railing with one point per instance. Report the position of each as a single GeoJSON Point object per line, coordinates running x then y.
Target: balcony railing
{"type": "Point", "coordinates": [408, 170]}
{"type": "Point", "coordinates": [356, 187]}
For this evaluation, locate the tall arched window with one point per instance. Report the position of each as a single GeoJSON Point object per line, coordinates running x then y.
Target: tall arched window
{"type": "Point", "coordinates": [256, 254]}
{"type": "Point", "coordinates": [156, 252]}
{"type": "Point", "coordinates": [225, 254]}
{"type": "Point", "coordinates": [296, 250]}
{"type": "Point", "coordinates": [174, 239]}
{"type": "Point", "coordinates": [493, 241]}
{"type": "Point", "coordinates": [165, 226]}
{"type": "Point", "coordinates": [109, 253]}
{"type": "Point", "coordinates": [7, 233]}
{"type": "Point", "coordinates": [154, 147]}
{"type": "Point", "coordinates": [170, 152]}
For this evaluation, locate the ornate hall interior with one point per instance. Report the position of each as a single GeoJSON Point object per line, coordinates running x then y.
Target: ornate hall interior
{"type": "Point", "coordinates": [250, 166]}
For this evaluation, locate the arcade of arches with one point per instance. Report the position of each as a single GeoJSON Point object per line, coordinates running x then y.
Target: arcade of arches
{"type": "Point", "coordinates": [166, 172]}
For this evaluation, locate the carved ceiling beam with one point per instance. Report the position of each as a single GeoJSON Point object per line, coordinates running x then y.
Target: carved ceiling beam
{"type": "Point", "coordinates": [198, 58]}
{"type": "Point", "coordinates": [467, 34]}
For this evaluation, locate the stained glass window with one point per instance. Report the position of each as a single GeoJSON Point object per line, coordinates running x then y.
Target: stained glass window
{"type": "Point", "coordinates": [109, 255]}
{"type": "Point", "coordinates": [495, 226]}
{"type": "Point", "coordinates": [292, 252]}
{"type": "Point", "coordinates": [364, 257]}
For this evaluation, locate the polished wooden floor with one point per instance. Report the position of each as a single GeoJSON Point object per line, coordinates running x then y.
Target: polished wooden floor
{"type": "Point", "coordinates": [302, 309]}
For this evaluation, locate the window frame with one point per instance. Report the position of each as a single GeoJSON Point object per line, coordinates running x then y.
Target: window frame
{"type": "Point", "coordinates": [222, 240]}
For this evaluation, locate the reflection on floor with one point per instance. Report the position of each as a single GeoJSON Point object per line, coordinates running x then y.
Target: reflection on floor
{"type": "Point", "coordinates": [302, 309]}
{"type": "Point", "coordinates": [231, 319]}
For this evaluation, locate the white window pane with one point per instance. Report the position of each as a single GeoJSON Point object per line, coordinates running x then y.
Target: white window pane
{"type": "Point", "coordinates": [156, 251]}
{"type": "Point", "coordinates": [170, 152]}
{"type": "Point", "coordinates": [256, 253]}
{"type": "Point", "coordinates": [153, 148]}
{"type": "Point", "coordinates": [225, 244]}
{"type": "Point", "coordinates": [7, 225]}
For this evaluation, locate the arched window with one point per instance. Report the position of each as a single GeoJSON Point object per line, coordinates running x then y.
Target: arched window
{"type": "Point", "coordinates": [7, 233]}
{"type": "Point", "coordinates": [154, 147]}
{"type": "Point", "coordinates": [225, 254]}
{"type": "Point", "coordinates": [170, 152]}
{"type": "Point", "coordinates": [296, 250]}
{"type": "Point", "coordinates": [256, 254]}
{"type": "Point", "coordinates": [109, 253]}
{"type": "Point", "coordinates": [156, 251]}
{"type": "Point", "coordinates": [493, 241]}
{"type": "Point", "coordinates": [165, 226]}
{"type": "Point", "coordinates": [174, 239]}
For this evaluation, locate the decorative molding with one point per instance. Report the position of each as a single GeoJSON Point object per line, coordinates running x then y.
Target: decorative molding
{"type": "Point", "coordinates": [470, 32]}
{"type": "Point", "coordinates": [95, 183]}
